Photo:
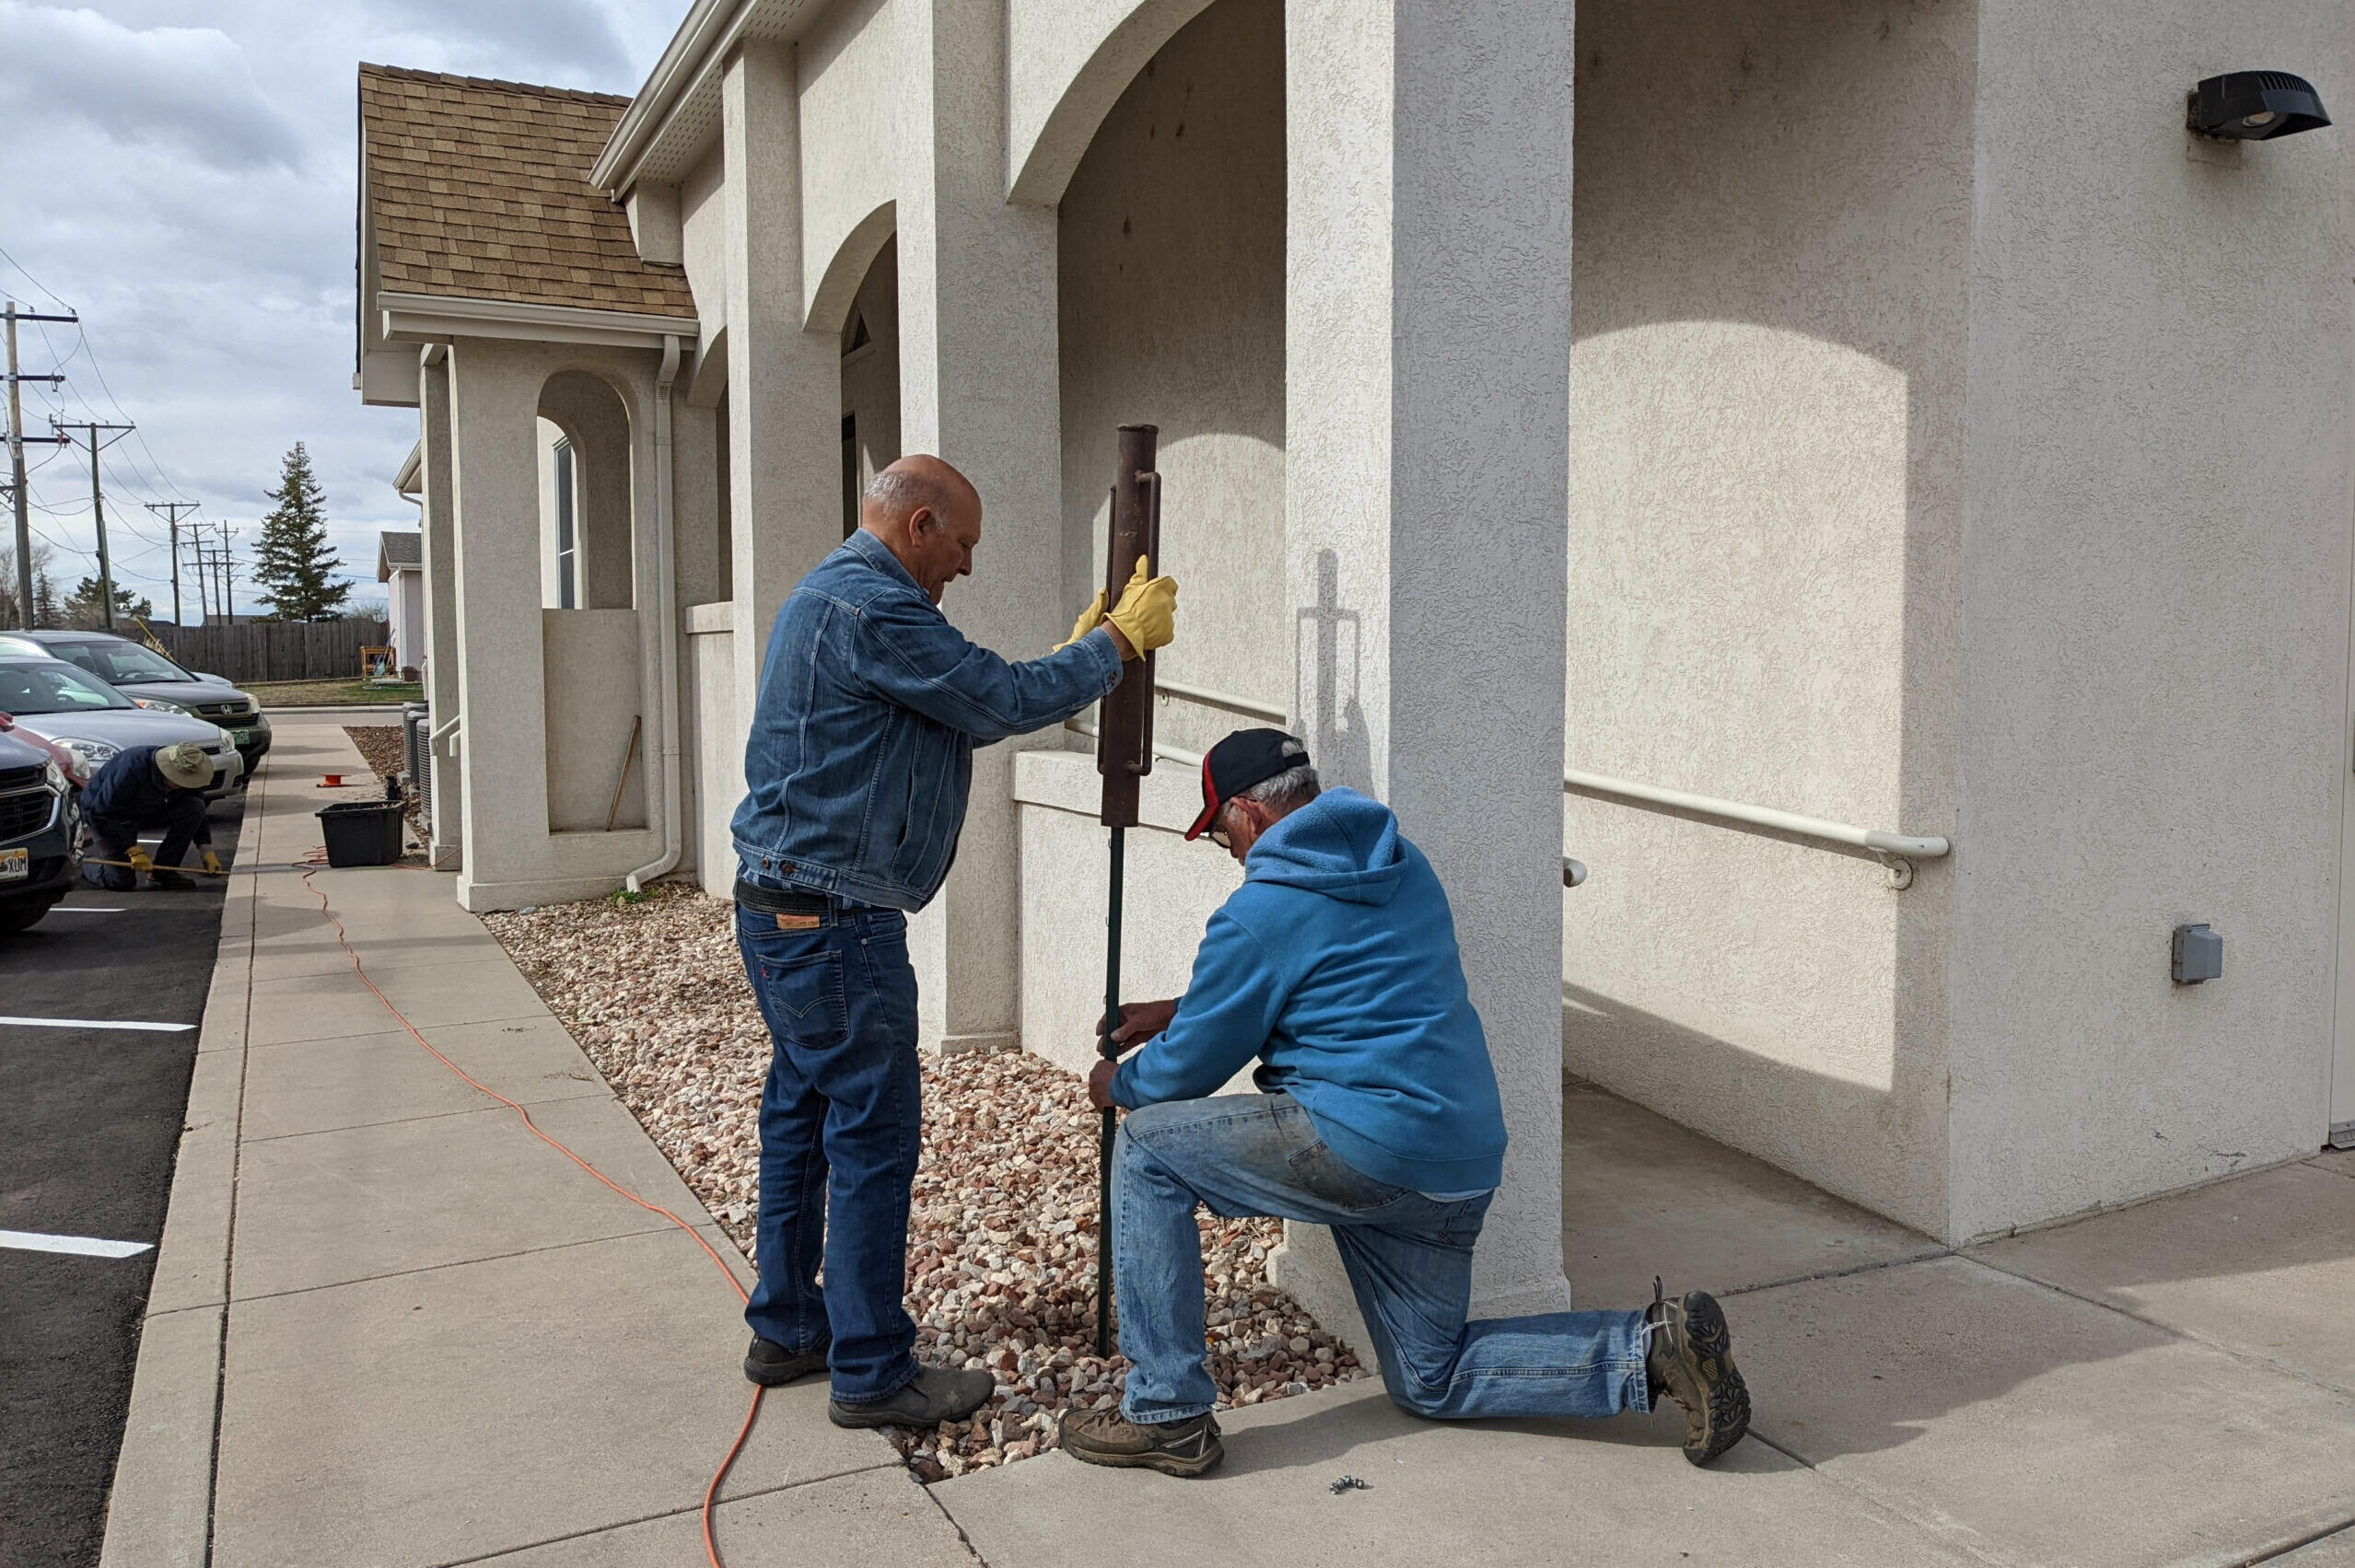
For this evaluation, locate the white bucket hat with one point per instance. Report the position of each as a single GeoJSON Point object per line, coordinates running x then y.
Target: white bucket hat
{"type": "Point", "coordinates": [185, 764]}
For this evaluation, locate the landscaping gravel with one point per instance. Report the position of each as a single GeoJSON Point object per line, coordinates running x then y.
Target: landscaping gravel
{"type": "Point", "coordinates": [1002, 1232]}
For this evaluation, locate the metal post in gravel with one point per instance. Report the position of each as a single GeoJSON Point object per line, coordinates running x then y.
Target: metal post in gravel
{"type": "Point", "coordinates": [1123, 756]}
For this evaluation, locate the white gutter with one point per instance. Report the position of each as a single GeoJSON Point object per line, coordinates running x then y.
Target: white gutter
{"type": "Point", "coordinates": [616, 167]}
{"type": "Point", "coordinates": [1897, 849]}
{"type": "Point", "coordinates": [410, 318]}
{"type": "Point", "coordinates": [666, 615]}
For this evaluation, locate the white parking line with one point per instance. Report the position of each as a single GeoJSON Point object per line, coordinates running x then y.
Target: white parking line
{"type": "Point", "coordinates": [82, 908]}
{"type": "Point", "coordinates": [94, 1024]}
{"type": "Point", "coordinates": [83, 1246]}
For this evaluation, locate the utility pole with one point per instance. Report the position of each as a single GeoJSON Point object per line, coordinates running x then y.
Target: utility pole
{"type": "Point", "coordinates": [97, 503]}
{"type": "Point", "coordinates": [17, 439]}
{"type": "Point", "coordinates": [171, 510]}
{"type": "Point", "coordinates": [228, 577]}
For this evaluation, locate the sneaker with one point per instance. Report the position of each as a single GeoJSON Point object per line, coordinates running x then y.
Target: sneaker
{"type": "Point", "coordinates": [164, 876]}
{"type": "Point", "coordinates": [936, 1394]}
{"type": "Point", "coordinates": [769, 1363]}
{"type": "Point", "coordinates": [1173, 1447]}
{"type": "Point", "coordinates": [1690, 1359]}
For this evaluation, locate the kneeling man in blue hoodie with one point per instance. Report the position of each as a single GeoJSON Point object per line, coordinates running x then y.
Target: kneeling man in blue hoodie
{"type": "Point", "coordinates": [1335, 964]}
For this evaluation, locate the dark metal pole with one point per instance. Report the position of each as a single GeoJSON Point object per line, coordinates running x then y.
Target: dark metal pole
{"type": "Point", "coordinates": [1123, 756]}
{"type": "Point", "coordinates": [1111, 1120]}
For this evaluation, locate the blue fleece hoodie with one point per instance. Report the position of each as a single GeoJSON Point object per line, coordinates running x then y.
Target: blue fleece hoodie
{"type": "Point", "coordinates": [1336, 963]}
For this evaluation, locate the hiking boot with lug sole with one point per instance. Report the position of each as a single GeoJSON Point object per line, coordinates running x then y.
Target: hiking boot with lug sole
{"type": "Point", "coordinates": [769, 1363]}
{"type": "Point", "coordinates": [1690, 1359]}
{"type": "Point", "coordinates": [1174, 1448]}
{"type": "Point", "coordinates": [936, 1394]}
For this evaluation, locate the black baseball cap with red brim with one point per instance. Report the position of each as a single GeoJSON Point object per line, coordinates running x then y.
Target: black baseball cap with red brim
{"type": "Point", "coordinates": [1247, 757]}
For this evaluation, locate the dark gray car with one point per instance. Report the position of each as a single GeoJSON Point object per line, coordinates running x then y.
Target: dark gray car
{"type": "Point", "coordinates": [150, 679]}
{"type": "Point", "coordinates": [38, 822]}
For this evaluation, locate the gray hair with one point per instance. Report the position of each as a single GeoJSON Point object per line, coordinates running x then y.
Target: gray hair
{"type": "Point", "coordinates": [1287, 791]}
{"type": "Point", "coordinates": [901, 491]}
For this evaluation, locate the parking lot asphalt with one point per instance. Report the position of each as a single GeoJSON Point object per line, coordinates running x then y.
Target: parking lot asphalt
{"type": "Point", "coordinates": [89, 1123]}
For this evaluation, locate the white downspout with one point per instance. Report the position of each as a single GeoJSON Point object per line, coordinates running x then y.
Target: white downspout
{"type": "Point", "coordinates": [667, 614]}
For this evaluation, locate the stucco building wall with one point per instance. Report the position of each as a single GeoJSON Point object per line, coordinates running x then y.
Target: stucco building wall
{"type": "Point", "coordinates": [2155, 584]}
{"type": "Point", "coordinates": [850, 109]}
{"type": "Point", "coordinates": [1171, 258]}
{"type": "Point", "coordinates": [1765, 503]}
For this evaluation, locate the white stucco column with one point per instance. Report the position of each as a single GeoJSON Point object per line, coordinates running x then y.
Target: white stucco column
{"type": "Point", "coordinates": [494, 394]}
{"type": "Point", "coordinates": [978, 385]}
{"type": "Point", "coordinates": [784, 385]}
{"type": "Point", "coordinates": [440, 628]}
{"type": "Point", "coordinates": [1427, 332]}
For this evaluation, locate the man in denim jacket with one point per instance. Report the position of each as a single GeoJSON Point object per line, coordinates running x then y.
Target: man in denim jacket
{"type": "Point", "coordinates": [857, 769]}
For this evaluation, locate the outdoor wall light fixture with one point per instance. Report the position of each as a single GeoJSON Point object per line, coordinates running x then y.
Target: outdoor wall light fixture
{"type": "Point", "coordinates": [2253, 106]}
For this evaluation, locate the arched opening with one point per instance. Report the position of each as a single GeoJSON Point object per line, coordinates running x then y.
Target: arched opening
{"type": "Point", "coordinates": [1170, 279]}
{"type": "Point", "coordinates": [586, 517]}
{"type": "Point", "coordinates": [870, 379]}
{"type": "Point", "coordinates": [591, 648]}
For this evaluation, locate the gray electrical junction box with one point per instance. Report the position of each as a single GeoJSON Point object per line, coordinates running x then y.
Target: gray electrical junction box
{"type": "Point", "coordinates": [2198, 955]}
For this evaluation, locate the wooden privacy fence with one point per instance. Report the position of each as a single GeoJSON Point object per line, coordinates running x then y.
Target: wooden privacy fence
{"type": "Point", "coordinates": [272, 650]}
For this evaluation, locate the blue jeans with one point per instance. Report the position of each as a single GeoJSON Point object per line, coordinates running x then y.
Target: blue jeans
{"type": "Point", "coordinates": [1409, 1259]}
{"type": "Point", "coordinates": [182, 820]}
{"type": "Point", "coordinates": [841, 1121]}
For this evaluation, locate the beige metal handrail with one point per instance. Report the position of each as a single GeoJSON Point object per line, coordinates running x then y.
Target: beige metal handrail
{"type": "Point", "coordinates": [1897, 851]}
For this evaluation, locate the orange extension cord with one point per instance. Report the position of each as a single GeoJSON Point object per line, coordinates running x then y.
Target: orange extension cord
{"type": "Point", "coordinates": [711, 1492]}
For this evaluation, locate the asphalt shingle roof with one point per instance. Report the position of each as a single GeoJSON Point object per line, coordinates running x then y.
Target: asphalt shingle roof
{"type": "Point", "coordinates": [399, 549]}
{"type": "Point", "coordinates": [479, 190]}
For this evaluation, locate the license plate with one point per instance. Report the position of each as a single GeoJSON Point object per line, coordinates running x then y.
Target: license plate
{"type": "Point", "coordinates": [16, 864]}
{"type": "Point", "coordinates": [240, 738]}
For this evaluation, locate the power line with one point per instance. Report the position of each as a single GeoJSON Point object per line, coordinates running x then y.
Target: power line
{"type": "Point", "coordinates": [172, 510]}
{"type": "Point", "coordinates": [19, 490]}
{"type": "Point", "coordinates": [98, 505]}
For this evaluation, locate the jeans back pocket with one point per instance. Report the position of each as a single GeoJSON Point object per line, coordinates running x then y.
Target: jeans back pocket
{"type": "Point", "coordinates": [803, 997]}
{"type": "Point", "coordinates": [1336, 1181]}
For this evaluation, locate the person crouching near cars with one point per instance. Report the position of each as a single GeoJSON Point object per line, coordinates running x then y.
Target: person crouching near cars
{"type": "Point", "coordinates": [1335, 964]}
{"type": "Point", "coordinates": [141, 789]}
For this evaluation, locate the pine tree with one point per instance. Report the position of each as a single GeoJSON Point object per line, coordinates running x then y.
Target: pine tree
{"type": "Point", "coordinates": [83, 609]}
{"type": "Point", "coordinates": [45, 611]}
{"type": "Point", "coordinates": [292, 564]}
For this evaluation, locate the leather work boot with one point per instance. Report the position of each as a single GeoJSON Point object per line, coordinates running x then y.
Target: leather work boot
{"type": "Point", "coordinates": [936, 1394]}
{"type": "Point", "coordinates": [1173, 1447]}
{"type": "Point", "coordinates": [164, 876]}
{"type": "Point", "coordinates": [1690, 1359]}
{"type": "Point", "coordinates": [769, 1363]}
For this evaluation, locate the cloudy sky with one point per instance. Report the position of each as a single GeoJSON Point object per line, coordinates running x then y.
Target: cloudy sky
{"type": "Point", "coordinates": [183, 176]}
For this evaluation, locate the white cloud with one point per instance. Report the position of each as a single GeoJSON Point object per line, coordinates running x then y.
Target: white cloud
{"type": "Point", "coordinates": [185, 90]}
{"type": "Point", "coordinates": [190, 191]}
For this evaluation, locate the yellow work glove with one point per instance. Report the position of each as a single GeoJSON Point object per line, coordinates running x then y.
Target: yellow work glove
{"type": "Point", "coordinates": [141, 861]}
{"type": "Point", "coordinates": [1146, 614]}
{"type": "Point", "coordinates": [1089, 619]}
{"type": "Point", "coordinates": [212, 862]}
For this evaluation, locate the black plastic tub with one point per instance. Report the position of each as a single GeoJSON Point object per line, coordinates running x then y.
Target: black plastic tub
{"type": "Point", "coordinates": [362, 832]}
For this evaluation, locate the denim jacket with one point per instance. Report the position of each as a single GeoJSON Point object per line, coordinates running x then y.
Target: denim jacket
{"type": "Point", "coordinates": [870, 705]}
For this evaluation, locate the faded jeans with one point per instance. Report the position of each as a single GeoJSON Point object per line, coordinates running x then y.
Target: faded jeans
{"type": "Point", "coordinates": [1409, 1259]}
{"type": "Point", "coordinates": [841, 1125]}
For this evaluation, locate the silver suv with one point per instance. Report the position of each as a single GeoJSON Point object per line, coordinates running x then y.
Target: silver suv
{"type": "Point", "coordinates": [154, 682]}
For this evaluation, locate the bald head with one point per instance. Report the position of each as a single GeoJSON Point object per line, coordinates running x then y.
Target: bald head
{"type": "Point", "coordinates": [928, 515]}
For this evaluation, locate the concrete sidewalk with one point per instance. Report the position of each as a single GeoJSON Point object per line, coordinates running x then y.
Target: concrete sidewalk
{"type": "Point", "coordinates": [426, 1339]}
{"type": "Point", "coordinates": [390, 1326]}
